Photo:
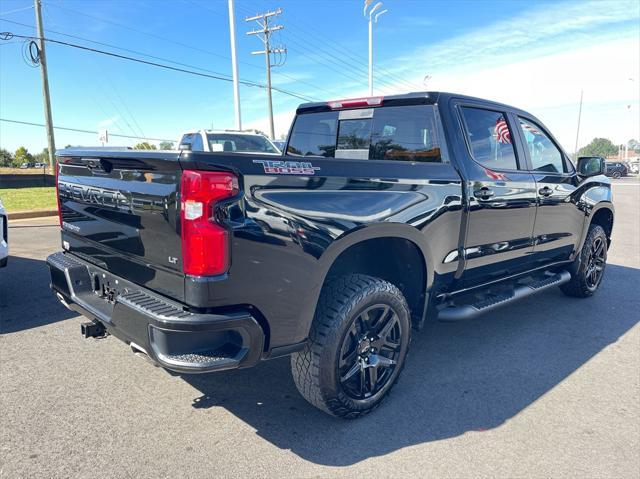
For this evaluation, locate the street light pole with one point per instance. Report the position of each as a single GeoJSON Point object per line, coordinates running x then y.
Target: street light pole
{"type": "Point", "coordinates": [578, 129]}
{"type": "Point", "coordinates": [370, 56]}
{"type": "Point", "coordinates": [234, 65]}
{"type": "Point", "coordinates": [372, 18]}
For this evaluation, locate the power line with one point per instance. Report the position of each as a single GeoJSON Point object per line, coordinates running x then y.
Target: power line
{"type": "Point", "coordinates": [352, 63]}
{"type": "Point", "coordinates": [217, 76]}
{"type": "Point", "coordinates": [328, 42]}
{"type": "Point", "coordinates": [16, 10]}
{"type": "Point", "coordinates": [325, 58]}
{"type": "Point", "coordinates": [79, 130]}
{"type": "Point", "coordinates": [185, 45]}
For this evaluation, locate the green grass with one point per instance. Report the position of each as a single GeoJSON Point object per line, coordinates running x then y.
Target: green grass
{"type": "Point", "coordinates": [24, 199]}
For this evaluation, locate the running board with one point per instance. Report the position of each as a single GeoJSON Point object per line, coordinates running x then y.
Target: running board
{"type": "Point", "coordinates": [470, 311]}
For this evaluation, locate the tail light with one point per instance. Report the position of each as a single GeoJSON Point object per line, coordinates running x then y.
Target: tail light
{"type": "Point", "coordinates": [56, 165]}
{"type": "Point", "coordinates": [356, 102]}
{"type": "Point", "coordinates": [205, 243]}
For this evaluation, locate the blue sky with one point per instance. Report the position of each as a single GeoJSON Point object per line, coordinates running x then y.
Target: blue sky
{"type": "Point", "coordinates": [535, 55]}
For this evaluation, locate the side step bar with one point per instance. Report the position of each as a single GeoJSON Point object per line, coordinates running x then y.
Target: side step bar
{"type": "Point", "coordinates": [470, 311]}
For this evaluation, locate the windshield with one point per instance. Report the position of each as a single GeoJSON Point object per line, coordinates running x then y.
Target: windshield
{"type": "Point", "coordinates": [401, 133]}
{"type": "Point", "coordinates": [231, 142]}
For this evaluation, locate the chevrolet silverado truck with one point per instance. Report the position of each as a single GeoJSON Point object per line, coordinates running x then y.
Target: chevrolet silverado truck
{"type": "Point", "coordinates": [383, 213]}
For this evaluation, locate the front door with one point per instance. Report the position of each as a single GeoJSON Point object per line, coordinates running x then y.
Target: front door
{"type": "Point", "coordinates": [502, 199]}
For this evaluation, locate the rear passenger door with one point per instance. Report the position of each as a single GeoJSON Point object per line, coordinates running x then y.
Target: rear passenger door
{"type": "Point", "coordinates": [502, 196]}
{"type": "Point", "coordinates": [559, 222]}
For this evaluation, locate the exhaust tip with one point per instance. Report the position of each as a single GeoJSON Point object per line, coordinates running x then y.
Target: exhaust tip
{"type": "Point", "coordinates": [140, 352]}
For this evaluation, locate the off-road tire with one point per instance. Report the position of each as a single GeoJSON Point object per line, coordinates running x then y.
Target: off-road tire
{"type": "Point", "coordinates": [579, 286]}
{"type": "Point", "coordinates": [315, 369]}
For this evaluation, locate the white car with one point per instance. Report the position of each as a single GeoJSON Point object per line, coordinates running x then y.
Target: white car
{"type": "Point", "coordinates": [4, 236]}
{"type": "Point", "coordinates": [228, 141]}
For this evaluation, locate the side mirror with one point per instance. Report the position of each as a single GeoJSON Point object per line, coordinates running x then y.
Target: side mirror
{"type": "Point", "coordinates": [591, 166]}
{"type": "Point", "coordinates": [184, 147]}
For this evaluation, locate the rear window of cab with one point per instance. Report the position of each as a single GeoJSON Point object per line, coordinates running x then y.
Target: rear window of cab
{"type": "Point", "coordinates": [400, 133]}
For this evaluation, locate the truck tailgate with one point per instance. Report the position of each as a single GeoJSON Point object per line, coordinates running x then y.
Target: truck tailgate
{"type": "Point", "coordinates": [120, 211]}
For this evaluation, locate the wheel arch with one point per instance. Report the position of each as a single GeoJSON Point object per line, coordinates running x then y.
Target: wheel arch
{"type": "Point", "coordinates": [397, 253]}
{"type": "Point", "coordinates": [603, 216]}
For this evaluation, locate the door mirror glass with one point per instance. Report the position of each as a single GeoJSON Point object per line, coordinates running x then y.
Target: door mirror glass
{"type": "Point", "coordinates": [591, 166]}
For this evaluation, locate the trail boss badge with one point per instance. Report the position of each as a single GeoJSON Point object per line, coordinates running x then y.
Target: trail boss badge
{"type": "Point", "coordinates": [288, 167]}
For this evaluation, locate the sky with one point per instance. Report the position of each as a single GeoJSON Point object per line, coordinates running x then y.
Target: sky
{"type": "Point", "coordinates": [538, 56]}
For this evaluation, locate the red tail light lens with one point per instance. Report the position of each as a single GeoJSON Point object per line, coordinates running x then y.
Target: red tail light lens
{"type": "Point", "coordinates": [205, 243]}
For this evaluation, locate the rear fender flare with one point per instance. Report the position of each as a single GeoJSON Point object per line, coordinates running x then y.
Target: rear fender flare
{"type": "Point", "coordinates": [358, 235]}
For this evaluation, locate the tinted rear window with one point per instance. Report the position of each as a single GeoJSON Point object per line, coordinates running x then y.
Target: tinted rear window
{"type": "Point", "coordinates": [230, 142]}
{"type": "Point", "coordinates": [402, 133]}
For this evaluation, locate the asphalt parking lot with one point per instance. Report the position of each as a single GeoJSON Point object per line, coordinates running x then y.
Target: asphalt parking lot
{"type": "Point", "coordinates": [549, 387]}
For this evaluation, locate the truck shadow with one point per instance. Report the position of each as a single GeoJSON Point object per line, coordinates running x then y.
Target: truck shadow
{"type": "Point", "coordinates": [460, 377]}
{"type": "Point", "coordinates": [25, 298]}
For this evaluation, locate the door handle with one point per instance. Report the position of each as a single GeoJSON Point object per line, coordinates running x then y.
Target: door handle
{"type": "Point", "coordinates": [546, 191]}
{"type": "Point", "coordinates": [483, 193]}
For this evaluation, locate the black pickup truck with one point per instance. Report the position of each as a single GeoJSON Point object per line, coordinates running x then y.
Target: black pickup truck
{"type": "Point", "coordinates": [382, 213]}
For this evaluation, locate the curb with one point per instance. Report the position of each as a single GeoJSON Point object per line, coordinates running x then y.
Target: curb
{"type": "Point", "coordinates": [22, 215]}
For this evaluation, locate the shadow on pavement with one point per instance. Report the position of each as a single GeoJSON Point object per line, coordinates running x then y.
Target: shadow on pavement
{"type": "Point", "coordinates": [460, 377]}
{"type": "Point", "coordinates": [25, 298]}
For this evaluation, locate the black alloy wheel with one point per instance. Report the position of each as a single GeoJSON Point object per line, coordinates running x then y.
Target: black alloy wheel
{"type": "Point", "coordinates": [588, 268]}
{"type": "Point", "coordinates": [357, 346]}
{"type": "Point", "coordinates": [596, 260]}
{"type": "Point", "coordinates": [370, 351]}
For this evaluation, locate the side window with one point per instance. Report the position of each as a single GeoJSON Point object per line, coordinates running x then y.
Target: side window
{"type": "Point", "coordinates": [187, 139]}
{"type": "Point", "coordinates": [490, 138]}
{"type": "Point", "coordinates": [544, 154]}
{"type": "Point", "coordinates": [197, 144]}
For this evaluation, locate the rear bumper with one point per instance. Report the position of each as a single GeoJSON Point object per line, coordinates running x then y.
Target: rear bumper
{"type": "Point", "coordinates": [176, 339]}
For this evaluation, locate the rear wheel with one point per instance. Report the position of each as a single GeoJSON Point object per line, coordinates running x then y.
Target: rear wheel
{"type": "Point", "coordinates": [357, 346]}
{"type": "Point", "coordinates": [588, 270]}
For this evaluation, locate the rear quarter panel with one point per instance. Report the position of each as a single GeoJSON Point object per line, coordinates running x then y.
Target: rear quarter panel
{"type": "Point", "coordinates": [287, 229]}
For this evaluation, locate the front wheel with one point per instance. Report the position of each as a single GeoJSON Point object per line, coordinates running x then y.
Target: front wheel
{"type": "Point", "coordinates": [616, 175]}
{"type": "Point", "coordinates": [357, 346]}
{"type": "Point", "coordinates": [588, 270]}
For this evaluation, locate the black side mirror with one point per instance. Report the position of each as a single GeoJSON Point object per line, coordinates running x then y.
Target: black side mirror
{"type": "Point", "coordinates": [591, 166]}
{"type": "Point", "coordinates": [184, 147]}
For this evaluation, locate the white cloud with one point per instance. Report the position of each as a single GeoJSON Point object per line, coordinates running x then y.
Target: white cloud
{"type": "Point", "coordinates": [108, 121]}
{"type": "Point", "coordinates": [538, 61]}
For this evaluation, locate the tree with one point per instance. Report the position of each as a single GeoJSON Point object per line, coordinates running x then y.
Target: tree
{"type": "Point", "coordinates": [166, 145]}
{"type": "Point", "coordinates": [6, 158]}
{"type": "Point", "coordinates": [22, 155]}
{"type": "Point", "coordinates": [42, 157]}
{"type": "Point", "coordinates": [633, 145]}
{"type": "Point", "coordinates": [599, 147]}
{"type": "Point", "coordinates": [145, 145]}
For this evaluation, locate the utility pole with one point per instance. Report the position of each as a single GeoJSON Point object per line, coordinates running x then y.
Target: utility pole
{"type": "Point", "coordinates": [234, 65]}
{"type": "Point", "coordinates": [372, 18]}
{"type": "Point", "coordinates": [265, 31]}
{"type": "Point", "coordinates": [578, 129]}
{"type": "Point", "coordinates": [45, 85]}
